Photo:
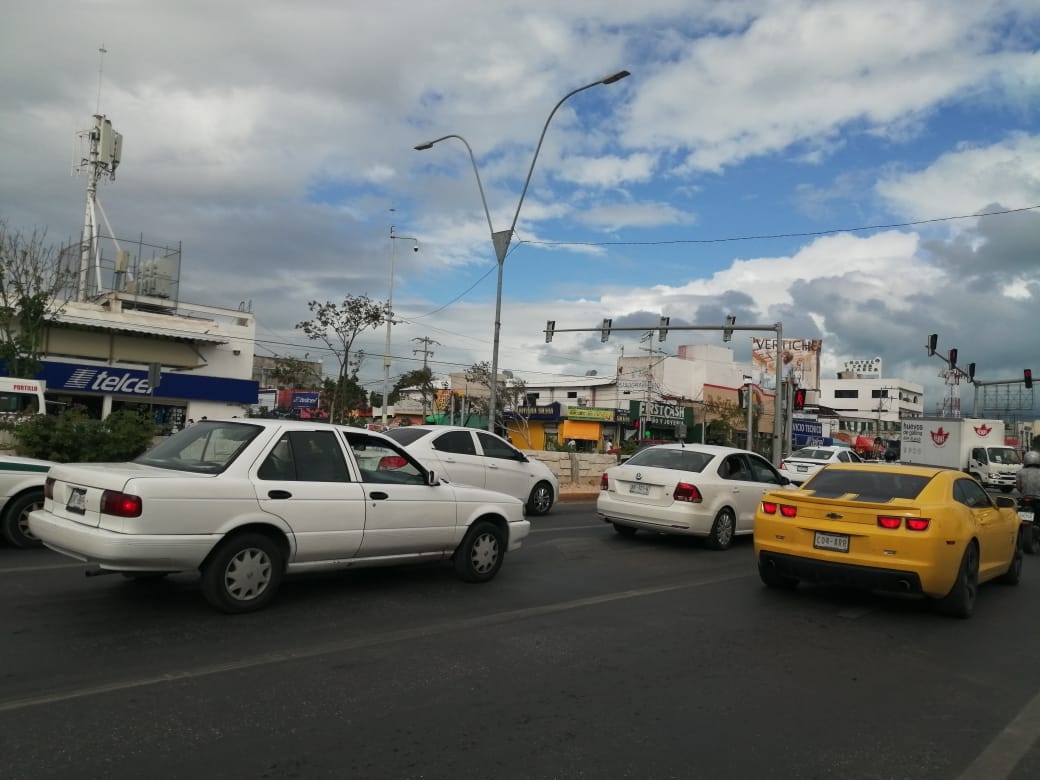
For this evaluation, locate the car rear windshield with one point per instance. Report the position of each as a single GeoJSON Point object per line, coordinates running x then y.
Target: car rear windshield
{"type": "Point", "coordinates": [406, 434]}
{"type": "Point", "coordinates": [873, 486]}
{"type": "Point", "coordinates": [204, 448]}
{"type": "Point", "coordinates": [667, 458]}
{"type": "Point", "coordinates": [810, 454]}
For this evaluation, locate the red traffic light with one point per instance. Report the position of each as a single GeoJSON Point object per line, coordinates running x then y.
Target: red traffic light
{"type": "Point", "coordinates": [799, 399]}
{"type": "Point", "coordinates": [953, 358]}
{"type": "Point", "coordinates": [1027, 378]}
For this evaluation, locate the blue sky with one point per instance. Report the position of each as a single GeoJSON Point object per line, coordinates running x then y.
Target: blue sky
{"type": "Point", "coordinates": [274, 140]}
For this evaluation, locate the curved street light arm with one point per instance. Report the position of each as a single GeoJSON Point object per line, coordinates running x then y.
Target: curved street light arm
{"type": "Point", "coordinates": [476, 171]}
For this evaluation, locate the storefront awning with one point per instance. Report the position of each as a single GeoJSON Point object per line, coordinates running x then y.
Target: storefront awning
{"type": "Point", "coordinates": [139, 328]}
{"type": "Point", "coordinates": [579, 429]}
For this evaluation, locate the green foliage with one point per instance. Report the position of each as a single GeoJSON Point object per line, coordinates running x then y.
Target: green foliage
{"type": "Point", "coordinates": [73, 437]}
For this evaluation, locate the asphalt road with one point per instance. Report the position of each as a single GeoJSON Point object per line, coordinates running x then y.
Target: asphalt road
{"type": "Point", "coordinates": [590, 656]}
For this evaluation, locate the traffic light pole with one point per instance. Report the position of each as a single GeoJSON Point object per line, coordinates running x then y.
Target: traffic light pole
{"type": "Point", "coordinates": [727, 331]}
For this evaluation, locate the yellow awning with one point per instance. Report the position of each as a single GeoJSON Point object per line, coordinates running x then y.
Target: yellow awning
{"type": "Point", "coordinates": [579, 429]}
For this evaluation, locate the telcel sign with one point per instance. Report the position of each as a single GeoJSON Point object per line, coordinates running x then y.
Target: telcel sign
{"type": "Point", "coordinates": [105, 381]}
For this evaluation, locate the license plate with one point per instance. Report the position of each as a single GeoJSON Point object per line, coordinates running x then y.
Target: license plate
{"type": "Point", "coordinates": [77, 501]}
{"type": "Point", "coordinates": [642, 490]}
{"type": "Point", "coordinates": [836, 542]}
{"type": "Point", "coordinates": [802, 468]}
{"type": "Point", "coordinates": [1026, 517]}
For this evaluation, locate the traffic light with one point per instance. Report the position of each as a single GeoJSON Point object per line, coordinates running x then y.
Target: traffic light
{"type": "Point", "coordinates": [663, 328]}
{"type": "Point", "coordinates": [604, 333]}
{"type": "Point", "coordinates": [933, 342]}
{"type": "Point", "coordinates": [799, 399]}
{"type": "Point", "coordinates": [1027, 377]}
{"type": "Point", "coordinates": [742, 397]}
{"type": "Point", "coordinates": [550, 328]}
{"type": "Point", "coordinates": [971, 372]}
{"type": "Point", "coordinates": [727, 333]}
{"type": "Point", "coordinates": [953, 358]}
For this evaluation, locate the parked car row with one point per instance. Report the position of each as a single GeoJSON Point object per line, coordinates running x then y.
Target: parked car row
{"type": "Point", "coordinates": [884, 527]}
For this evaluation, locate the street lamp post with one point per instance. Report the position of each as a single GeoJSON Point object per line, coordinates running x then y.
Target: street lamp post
{"type": "Point", "coordinates": [389, 317]}
{"type": "Point", "coordinates": [501, 239]}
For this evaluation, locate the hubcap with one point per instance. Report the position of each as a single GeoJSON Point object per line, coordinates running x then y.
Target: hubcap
{"type": "Point", "coordinates": [247, 574]}
{"type": "Point", "coordinates": [725, 528]}
{"type": "Point", "coordinates": [484, 553]}
{"type": "Point", "coordinates": [23, 521]}
{"type": "Point", "coordinates": [542, 499]}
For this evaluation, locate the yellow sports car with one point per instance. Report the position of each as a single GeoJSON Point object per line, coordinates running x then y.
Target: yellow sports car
{"type": "Point", "coordinates": [904, 529]}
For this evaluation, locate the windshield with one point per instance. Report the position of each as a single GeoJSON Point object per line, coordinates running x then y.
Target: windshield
{"type": "Point", "coordinates": [1004, 455]}
{"type": "Point", "coordinates": [406, 434]}
{"type": "Point", "coordinates": [205, 447]}
{"type": "Point", "coordinates": [873, 486]}
{"type": "Point", "coordinates": [668, 458]}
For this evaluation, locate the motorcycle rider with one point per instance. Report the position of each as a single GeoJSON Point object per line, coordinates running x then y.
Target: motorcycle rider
{"type": "Point", "coordinates": [1028, 479]}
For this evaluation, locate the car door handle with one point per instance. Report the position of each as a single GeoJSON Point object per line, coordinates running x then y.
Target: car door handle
{"type": "Point", "coordinates": [492, 466]}
{"type": "Point", "coordinates": [279, 494]}
{"type": "Point", "coordinates": [378, 495]}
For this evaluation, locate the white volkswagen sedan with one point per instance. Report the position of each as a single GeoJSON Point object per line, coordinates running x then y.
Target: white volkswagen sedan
{"type": "Point", "coordinates": [482, 459]}
{"type": "Point", "coordinates": [690, 489]}
{"type": "Point", "coordinates": [802, 464]}
{"type": "Point", "coordinates": [245, 501]}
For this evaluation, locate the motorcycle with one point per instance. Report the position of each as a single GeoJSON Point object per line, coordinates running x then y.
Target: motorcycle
{"type": "Point", "coordinates": [1027, 513]}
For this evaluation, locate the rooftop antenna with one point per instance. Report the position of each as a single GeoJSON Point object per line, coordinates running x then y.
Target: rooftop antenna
{"type": "Point", "coordinates": [103, 148]}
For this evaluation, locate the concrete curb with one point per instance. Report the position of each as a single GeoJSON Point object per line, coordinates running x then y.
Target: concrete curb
{"type": "Point", "coordinates": [578, 495]}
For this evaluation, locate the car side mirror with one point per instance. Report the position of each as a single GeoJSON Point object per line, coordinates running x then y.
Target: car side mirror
{"type": "Point", "coordinates": [431, 478]}
{"type": "Point", "coordinates": [784, 480]}
{"type": "Point", "coordinates": [1005, 502]}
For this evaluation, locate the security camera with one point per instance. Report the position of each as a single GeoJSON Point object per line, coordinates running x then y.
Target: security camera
{"type": "Point", "coordinates": [415, 248]}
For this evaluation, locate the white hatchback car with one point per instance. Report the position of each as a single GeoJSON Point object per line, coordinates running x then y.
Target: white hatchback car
{"type": "Point", "coordinates": [482, 459]}
{"type": "Point", "coordinates": [244, 501]}
{"type": "Point", "coordinates": [802, 464]}
{"type": "Point", "coordinates": [690, 489]}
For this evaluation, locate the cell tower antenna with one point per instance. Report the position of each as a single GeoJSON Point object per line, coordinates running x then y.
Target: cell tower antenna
{"type": "Point", "coordinates": [102, 51]}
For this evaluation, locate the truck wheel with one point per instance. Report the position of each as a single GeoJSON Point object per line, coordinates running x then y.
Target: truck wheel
{"type": "Point", "coordinates": [15, 523]}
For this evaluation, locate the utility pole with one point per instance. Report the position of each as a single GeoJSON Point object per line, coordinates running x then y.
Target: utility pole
{"type": "Point", "coordinates": [427, 353]}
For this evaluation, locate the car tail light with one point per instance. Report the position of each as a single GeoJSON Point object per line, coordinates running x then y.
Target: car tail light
{"type": "Point", "coordinates": [788, 511]}
{"type": "Point", "coordinates": [769, 507]}
{"type": "Point", "coordinates": [891, 523]}
{"type": "Point", "coordinates": [48, 488]}
{"type": "Point", "coordinates": [783, 465]}
{"type": "Point", "coordinates": [917, 523]}
{"type": "Point", "coordinates": [120, 504]}
{"type": "Point", "coordinates": [604, 483]}
{"type": "Point", "coordinates": [684, 491]}
{"type": "Point", "coordinates": [391, 462]}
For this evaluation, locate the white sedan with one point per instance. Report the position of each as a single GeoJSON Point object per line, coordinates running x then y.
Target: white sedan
{"type": "Point", "coordinates": [802, 464]}
{"type": "Point", "coordinates": [690, 489]}
{"type": "Point", "coordinates": [482, 459]}
{"type": "Point", "coordinates": [245, 501]}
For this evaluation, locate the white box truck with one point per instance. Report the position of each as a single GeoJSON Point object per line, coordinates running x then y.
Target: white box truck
{"type": "Point", "coordinates": [967, 444]}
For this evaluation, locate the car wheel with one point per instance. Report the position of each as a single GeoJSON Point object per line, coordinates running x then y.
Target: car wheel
{"type": "Point", "coordinates": [480, 555]}
{"type": "Point", "coordinates": [1014, 574]}
{"type": "Point", "coordinates": [771, 578]}
{"type": "Point", "coordinates": [16, 520]}
{"type": "Point", "coordinates": [721, 535]}
{"type": "Point", "coordinates": [243, 574]}
{"type": "Point", "coordinates": [1030, 539]}
{"type": "Point", "coordinates": [624, 530]}
{"type": "Point", "coordinates": [960, 601]}
{"type": "Point", "coordinates": [541, 499]}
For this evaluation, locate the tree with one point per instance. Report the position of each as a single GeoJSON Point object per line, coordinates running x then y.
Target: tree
{"type": "Point", "coordinates": [295, 374]}
{"type": "Point", "coordinates": [33, 288]}
{"type": "Point", "coordinates": [510, 395]}
{"type": "Point", "coordinates": [724, 417]}
{"type": "Point", "coordinates": [422, 380]}
{"type": "Point", "coordinates": [338, 326]}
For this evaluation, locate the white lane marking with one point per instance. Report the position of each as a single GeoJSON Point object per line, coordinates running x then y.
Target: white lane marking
{"type": "Point", "coordinates": [331, 648]}
{"type": "Point", "coordinates": [1002, 755]}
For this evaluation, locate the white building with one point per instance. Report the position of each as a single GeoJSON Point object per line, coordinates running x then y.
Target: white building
{"type": "Point", "coordinates": [868, 404]}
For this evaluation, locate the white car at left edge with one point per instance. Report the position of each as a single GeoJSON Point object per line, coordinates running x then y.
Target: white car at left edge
{"type": "Point", "coordinates": [245, 501]}
{"type": "Point", "coordinates": [21, 491]}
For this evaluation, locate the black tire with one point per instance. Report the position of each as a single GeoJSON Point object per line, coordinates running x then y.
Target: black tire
{"type": "Point", "coordinates": [723, 529]}
{"type": "Point", "coordinates": [1014, 574]}
{"type": "Point", "coordinates": [540, 500]}
{"type": "Point", "coordinates": [1030, 539]}
{"type": "Point", "coordinates": [15, 524]}
{"type": "Point", "coordinates": [771, 578]}
{"type": "Point", "coordinates": [960, 601]}
{"type": "Point", "coordinates": [243, 573]}
{"type": "Point", "coordinates": [624, 530]}
{"type": "Point", "coordinates": [480, 555]}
